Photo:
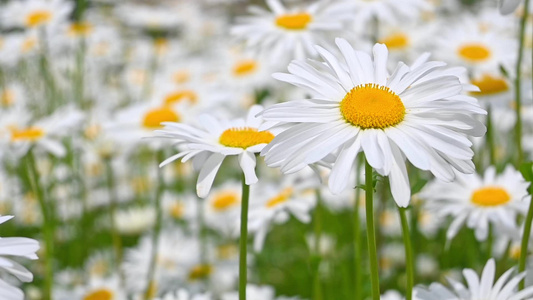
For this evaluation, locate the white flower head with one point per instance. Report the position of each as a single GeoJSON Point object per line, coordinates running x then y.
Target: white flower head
{"type": "Point", "coordinates": [417, 112]}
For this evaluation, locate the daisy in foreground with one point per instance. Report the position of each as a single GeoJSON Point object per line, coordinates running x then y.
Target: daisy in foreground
{"type": "Point", "coordinates": [505, 287]}
{"type": "Point", "coordinates": [418, 112]}
{"type": "Point", "coordinates": [217, 139]}
{"type": "Point", "coordinates": [480, 201]}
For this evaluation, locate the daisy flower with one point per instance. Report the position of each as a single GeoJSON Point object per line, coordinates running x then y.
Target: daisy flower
{"type": "Point", "coordinates": [217, 139]}
{"type": "Point", "coordinates": [275, 203]}
{"type": "Point", "coordinates": [505, 288]}
{"type": "Point", "coordinates": [15, 246]}
{"type": "Point", "coordinates": [417, 112]}
{"type": "Point", "coordinates": [479, 201]}
{"type": "Point", "coordinates": [32, 14]}
{"type": "Point", "coordinates": [281, 31]}
{"type": "Point", "coordinates": [480, 50]}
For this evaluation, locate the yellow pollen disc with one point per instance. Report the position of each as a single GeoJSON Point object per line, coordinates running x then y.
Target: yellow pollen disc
{"type": "Point", "coordinates": [200, 272]}
{"type": "Point", "coordinates": [515, 252]}
{"type": "Point", "coordinates": [280, 198]}
{"type": "Point", "coordinates": [490, 85]}
{"type": "Point", "coordinates": [7, 98]}
{"type": "Point", "coordinates": [181, 76]}
{"type": "Point", "coordinates": [244, 137]}
{"type": "Point", "coordinates": [80, 29]}
{"type": "Point", "coordinates": [155, 117]}
{"type": "Point", "coordinates": [38, 17]}
{"type": "Point", "coordinates": [396, 41]}
{"type": "Point", "coordinates": [474, 52]}
{"type": "Point", "coordinates": [178, 96]}
{"type": "Point", "coordinates": [28, 45]}
{"type": "Point", "coordinates": [244, 67]}
{"type": "Point", "coordinates": [372, 106]}
{"type": "Point", "coordinates": [225, 252]}
{"type": "Point", "coordinates": [102, 294]}
{"type": "Point", "coordinates": [28, 134]}
{"type": "Point", "coordinates": [296, 21]}
{"type": "Point", "coordinates": [161, 45]}
{"type": "Point", "coordinates": [490, 196]}
{"type": "Point", "coordinates": [225, 200]}
{"type": "Point", "coordinates": [177, 210]}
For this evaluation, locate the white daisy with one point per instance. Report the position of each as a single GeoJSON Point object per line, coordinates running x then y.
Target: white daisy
{"type": "Point", "coordinates": [417, 112]}
{"type": "Point", "coordinates": [275, 203]}
{"type": "Point", "coordinates": [35, 13]}
{"type": "Point", "coordinates": [216, 140]}
{"type": "Point", "coordinates": [287, 33]}
{"type": "Point", "coordinates": [15, 246]}
{"type": "Point", "coordinates": [479, 201]}
{"type": "Point", "coordinates": [505, 288]}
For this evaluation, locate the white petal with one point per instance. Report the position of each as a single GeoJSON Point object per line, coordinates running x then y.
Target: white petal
{"type": "Point", "coordinates": [208, 173]}
{"type": "Point", "coordinates": [247, 163]}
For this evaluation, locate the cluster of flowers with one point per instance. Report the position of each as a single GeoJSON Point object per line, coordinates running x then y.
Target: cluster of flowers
{"type": "Point", "coordinates": [309, 101]}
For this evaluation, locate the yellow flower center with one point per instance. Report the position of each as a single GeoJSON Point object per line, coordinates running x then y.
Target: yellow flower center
{"type": "Point", "coordinates": [244, 137]}
{"type": "Point", "coordinates": [490, 196]}
{"type": "Point", "coordinates": [296, 21]}
{"type": "Point", "coordinates": [474, 52]}
{"type": "Point", "coordinates": [28, 44]}
{"type": "Point", "coordinates": [103, 294]}
{"type": "Point", "coordinates": [181, 76]}
{"type": "Point", "coordinates": [7, 97]}
{"type": "Point", "coordinates": [280, 198]}
{"type": "Point", "coordinates": [27, 134]}
{"type": "Point", "coordinates": [227, 251]}
{"type": "Point", "coordinates": [177, 210]}
{"type": "Point", "coordinates": [490, 85]}
{"type": "Point", "coordinates": [225, 200]}
{"type": "Point", "coordinates": [154, 118]}
{"type": "Point", "coordinates": [38, 17]}
{"type": "Point", "coordinates": [244, 67]}
{"type": "Point", "coordinates": [161, 45]}
{"type": "Point", "coordinates": [396, 41]}
{"type": "Point", "coordinates": [178, 96]}
{"type": "Point", "coordinates": [372, 106]}
{"type": "Point", "coordinates": [200, 272]}
{"type": "Point", "coordinates": [80, 29]}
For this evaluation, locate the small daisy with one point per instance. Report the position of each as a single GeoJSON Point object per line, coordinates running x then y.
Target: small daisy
{"type": "Point", "coordinates": [479, 201]}
{"type": "Point", "coordinates": [133, 221]}
{"type": "Point", "coordinates": [32, 14]}
{"type": "Point", "coordinates": [465, 43]}
{"type": "Point", "coordinates": [15, 246]}
{"type": "Point", "coordinates": [505, 288]}
{"type": "Point", "coordinates": [210, 145]}
{"type": "Point", "coordinates": [275, 203]}
{"type": "Point", "coordinates": [223, 207]}
{"type": "Point", "coordinates": [286, 32]}
{"type": "Point", "coordinates": [358, 106]}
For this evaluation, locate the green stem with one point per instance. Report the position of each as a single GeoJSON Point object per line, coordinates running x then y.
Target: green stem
{"type": "Point", "coordinates": [518, 82]}
{"type": "Point", "coordinates": [150, 289]}
{"type": "Point", "coordinates": [48, 230]}
{"type": "Point", "coordinates": [243, 240]}
{"type": "Point", "coordinates": [525, 238]}
{"type": "Point", "coordinates": [371, 234]}
{"type": "Point", "coordinates": [115, 236]}
{"type": "Point", "coordinates": [409, 263]}
{"type": "Point", "coordinates": [317, 295]}
{"type": "Point", "coordinates": [358, 268]}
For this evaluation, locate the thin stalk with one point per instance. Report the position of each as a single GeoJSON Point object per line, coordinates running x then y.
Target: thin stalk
{"type": "Point", "coordinates": [490, 241]}
{"type": "Point", "coordinates": [243, 240]}
{"type": "Point", "coordinates": [518, 83]}
{"type": "Point", "coordinates": [371, 233]}
{"type": "Point", "coordinates": [115, 236]}
{"type": "Point", "coordinates": [409, 262]}
{"type": "Point", "coordinates": [317, 294]}
{"type": "Point", "coordinates": [150, 289]}
{"type": "Point", "coordinates": [525, 238]}
{"type": "Point", "coordinates": [48, 230]}
{"type": "Point", "coordinates": [358, 260]}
